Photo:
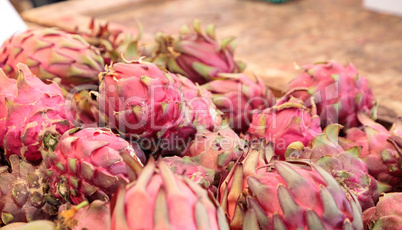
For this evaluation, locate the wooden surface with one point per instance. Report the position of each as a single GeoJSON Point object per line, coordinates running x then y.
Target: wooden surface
{"type": "Point", "coordinates": [271, 38]}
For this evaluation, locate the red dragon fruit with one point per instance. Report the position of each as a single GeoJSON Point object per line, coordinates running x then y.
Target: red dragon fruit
{"type": "Point", "coordinates": [381, 149]}
{"type": "Point", "coordinates": [386, 215]}
{"type": "Point", "coordinates": [145, 102]}
{"type": "Point", "coordinates": [195, 54]}
{"type": "Point", "coordinates": [8, 92]}
{"type": "Point", "coordinates": [346, 166]}
{"type": "Point", "coordinates": [87, 165]}
{"type": "Point", "coordinates": [159, 199]}
{"type": "Point", "coordinates": [237, 96]}
{"type": "Point", "coordinates": [35, 117]}
{"type": "Point", "coordinates": [140, 99]}
{"type": "Point", "coordinates": [286, 195]}
{"type": "Point", "coordinates": [338, 91]}
{"type": "Point", "coordinates": [185, 166]}
{"type": "Point", "coordinates": [51, 53]}
{"type": "Point", "coordinates": [216, 149]}
{"type": "Point", "coordinates": [113, 44]}
{"type": "Point", "coordinates": [286, 122]}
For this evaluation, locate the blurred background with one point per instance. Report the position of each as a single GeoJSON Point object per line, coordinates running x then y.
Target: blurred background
{"type": "Point", "coordinates": [21, 5]}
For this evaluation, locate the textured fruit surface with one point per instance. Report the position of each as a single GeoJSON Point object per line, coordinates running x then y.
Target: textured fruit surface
{"type": "Point", "coordinates": [237, 96]}
{"type": "Point", "coordinates": [84, 110]}
{"type": "Point", "coordinates": [145, 102]}
{"type": "Point", "coordinates": [50, 54]}
{"type": "Point", "coordinates": [161, 200]}
{"type": "Point", "coordinates": [87, 165]}
{"type": "Point", "coordinates": [201, 111]}
{"type": "Point", "coordinates": [91, 216]}
{"type": "Point", "coordinates": [195, 54]}
{"type": "Point", "coordinates": [284, 195]}
{"type": "Point", "coordinates": [113, 44]}
{"type": "Point", "coordinates": [286, 122]}
{"type": "Point", "coordinates": [185, 166]}
{"type": "Point", "coordinates": [8, 91]}
{"type": "Point", "coordinates": [346, 166]}
{"type": "Point", "coordinates": [386, 215]}
{"type": "Point", "coordinates": [140, 99]}
{"type": "Point", "coordinates": [24, 193]}
{"type": "Point", "coordinates": [339, 92]}
{"type": "Point", "coordinates": [381, 149]}
{"type": "Point", "coordinates": [35, 117]}
{"type": "Point", "coordinates": [215, 149]}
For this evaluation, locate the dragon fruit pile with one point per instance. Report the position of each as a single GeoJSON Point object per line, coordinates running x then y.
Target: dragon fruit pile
{"type": "Point", "coordinates": [101, 131]}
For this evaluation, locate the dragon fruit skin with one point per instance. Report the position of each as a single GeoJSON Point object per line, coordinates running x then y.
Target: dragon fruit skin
{"type": "Point", "coordinates": [195, 54]}
{"type": "Point", "coordinates": [95, 215]}
{"type": "Point", "coordinates": [285, 195]}
{"type": "Point", "coordinates": [84, 110]}
{"type": "Point", "coordinates": [185, 166]}
{"type": "Point", "coordinates": [158, 199]}
{"type": "Point", "coordinates": [24, 193]}
{"type": "Point", "coordinates": [113, 44]}
{"type": "Point", "coordinates": [9, 91]}
{"type": "Point", "coordinates": [202, 112]}
{"type": "Point", "coordinates": [339, 92]}
{"type": "Point", "coordinates": [286, 122]}
{"type": "Point", "coordinates": [51, 53]}
{"type": "Point", "coordinates": [86, 165]}
{"type": "Point", "coordinates": [140, 99]}
{"type": "Point", "coordinates": [386, 214]}
{"type": "Point", "coordinates": [35, 117]}
{"type": "Point", "coordinates": [237, 96]}
{"type": "Point", "coordinates": [215, 149]}
{"type": "Point", "coordinates": [345, 166]}
{"type": "Point", "coordinates": [380, 149]}
{"type": "Point", "coordinates": [144, 102]}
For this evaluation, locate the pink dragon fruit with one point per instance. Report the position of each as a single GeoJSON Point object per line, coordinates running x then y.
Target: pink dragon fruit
{"type": "Point", "coordinates": [140, 99]}
{"type": "Point", "coordinates": [87, 165]}
{"type": "Point", "coordinates": [338, 91]}
{"type": "Point", "coordinates": [35, 116]}
{"type": "Point", "coordinates": [286, 122]}
{"type": "Point", "coordinates": [238, 96]}
{"type": "Point", "coordinates": [159, 199]}
{"type": "Point", "coordinates": [185, 166]}
{"type": "Point", "coordinates": [386, 215]}
{"type": "Point", "coordinates": [196, 55]}
{"type": "Point", "coordinates": [51, 53]}
{"type": "Point", "coordinates": [8, 91]}
{"type": "Point", "coordinates": [202, 112]}
{"type": "Point", "coordinates": [216, 149]}
{"type": "Point", "coordinates": [286, 195]}
{"type": "Point", "coordinates": [145, 102]}
{"type": "Point", "coordinates": [380, 149]}
{"type": "Point", "coordinates": [346, 166]}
